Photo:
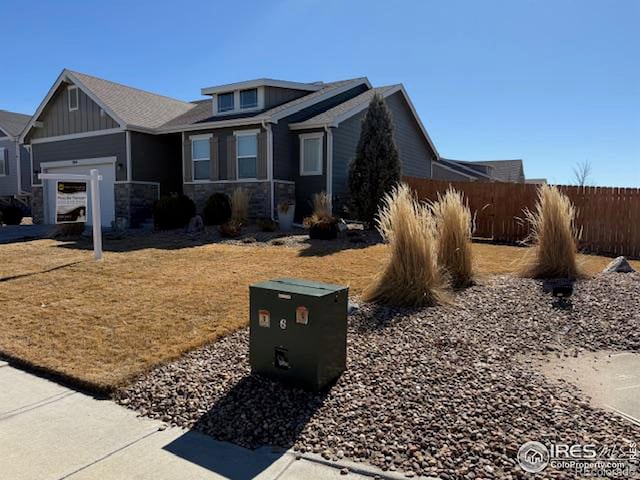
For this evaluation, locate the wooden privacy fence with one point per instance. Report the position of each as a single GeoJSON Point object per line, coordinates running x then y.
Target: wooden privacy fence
{"type": "Point", "coordinates": [608, 217]}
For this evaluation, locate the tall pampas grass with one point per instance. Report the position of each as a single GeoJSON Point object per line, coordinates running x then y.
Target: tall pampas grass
{"type": "Point", "coordinates": [321, 210]}
{"type": "Point", "coordinates": [553, 236]}
{"type": "Point", "coordinates": [239, 206]}
{"type": "Point", "coordinates": [411, 276]}
{"type": "Point", "coordinates": [453, 237]}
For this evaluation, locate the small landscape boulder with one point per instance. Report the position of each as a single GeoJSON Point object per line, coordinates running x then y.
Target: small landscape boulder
{"type": "Point", "coordinates": [196, 225]}
{"type": "Point", "coordinates": [619, 265]}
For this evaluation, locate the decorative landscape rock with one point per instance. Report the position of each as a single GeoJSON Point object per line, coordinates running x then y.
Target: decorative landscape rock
{"type": "Point", "coordinates": [619, 265]}
{"type": "Point", "coordinates": [196, 225]}
{"type": "Point", "coordinates": [443, 391]}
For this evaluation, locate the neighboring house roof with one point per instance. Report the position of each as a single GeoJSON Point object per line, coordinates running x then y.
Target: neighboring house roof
{"type": "Point", "coordinates": [200, 115]}
{"type": "Point", "coordinates": [497, 170]}
{"type": "Point", "coordinates": [505, 170]}
{"type": "Point", "coordinates": [536, 181]}
{"type": "Point", "coordinates": [334, 116]}
{"type": "Point", "coordinates": [12, 124]}
{"type": "Point", "coordinates": [464, 169]}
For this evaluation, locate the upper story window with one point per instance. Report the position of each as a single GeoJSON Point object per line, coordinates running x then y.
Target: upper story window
{"type": "Point", "coordinates": [201, 156]}
{"type": "Point", "coordinates": [73, 98]}
{"type": "Point", "coordinates": [247, 154]}
{"type": "Point", "coordinates": [249, 98]}
{"type": "Point", "coordinates": [311, 153]}
{"type": "Point", "coordinates": [225, 102]}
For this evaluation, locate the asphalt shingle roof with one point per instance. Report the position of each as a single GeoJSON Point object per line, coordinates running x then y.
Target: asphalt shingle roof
{"type": "Point", "coordinates": [330, 115]}
{"type": "Point", "coordinates": [13, 123]}
{"type": "Point", "coordinates": [201, 111]}
{"type": "Point", "coordinates": [133, 106]}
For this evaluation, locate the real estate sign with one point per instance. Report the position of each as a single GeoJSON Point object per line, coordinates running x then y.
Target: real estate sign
{"type": "Point", "coordinates": [71, 202]}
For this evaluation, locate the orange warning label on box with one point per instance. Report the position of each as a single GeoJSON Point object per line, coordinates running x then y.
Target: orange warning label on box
{"type": "Point", "coordinates": [264, 318]}
{"type": "Point", "coordinates": [302, 315]}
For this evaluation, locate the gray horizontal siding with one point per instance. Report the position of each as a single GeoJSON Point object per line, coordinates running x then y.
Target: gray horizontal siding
{"type": "Point", "coordinates": [345, 144]}
{"type": "Point", "coordinates": [156, 158]}
{"type": "Point", "coordinates": [25, 169]}
{"type": "Point", "coordinates": [308, 185]}
{"type": "Point", "coordinates": [414, 150]}
{"type": "Point", "coordinates": [58, 120]}
{"type": "Point", "coordinates": [114, 145]}
{"type": "Point", "coordinates": [9, 182]}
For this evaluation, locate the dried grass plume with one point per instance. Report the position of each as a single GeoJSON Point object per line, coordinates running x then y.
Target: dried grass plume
{"type": "Point", "coordinates": [553, 236]}
{"type": "Point", "coordinates": [239, 206]}
{"type": "Point", "coordinates": [453, 237]}
{"type": "Point", "coordinates": [411, 276]}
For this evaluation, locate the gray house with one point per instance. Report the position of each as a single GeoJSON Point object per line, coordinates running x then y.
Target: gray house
{"type": "Point", "coordinates": [283, 141]}
{"type": "Point", "coordinates": [15, 162]}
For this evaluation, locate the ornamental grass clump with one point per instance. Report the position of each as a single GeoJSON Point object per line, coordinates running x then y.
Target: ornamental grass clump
{"type": "Point", "coordinates": [553, 236]}
{"type": "Point", "coordinates": [322, 224]}
{"type": "Point", "coordinates": [239, 214]}
{"type": "Point", "coordinates": [453, 237]}
{"type": "Point", "coordinates": [411, 276]}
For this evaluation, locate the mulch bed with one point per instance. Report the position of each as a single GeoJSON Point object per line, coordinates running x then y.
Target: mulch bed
{"type": "Point", "coordinates": [440, 391]}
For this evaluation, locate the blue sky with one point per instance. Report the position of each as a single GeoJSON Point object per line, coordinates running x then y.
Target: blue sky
{"type": "Point", "coordinates": [552, 82]}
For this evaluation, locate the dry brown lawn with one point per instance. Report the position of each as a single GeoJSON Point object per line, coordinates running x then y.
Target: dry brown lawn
{"type": "Point", "coordinates": [100, 324]}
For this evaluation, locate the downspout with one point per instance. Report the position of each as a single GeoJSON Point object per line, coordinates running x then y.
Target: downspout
{"type": "Point", "coordinates": [329, 189]}
{"type": "Point", "coordinates": [267, 127]}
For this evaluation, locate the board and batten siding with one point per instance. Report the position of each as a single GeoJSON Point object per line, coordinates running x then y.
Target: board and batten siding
{"type": "Point", "coordinates": [57, 120]}
{"type": "Point", "coordinates": [222, 147]}
{"type": "Point", "coordinates": [113, 145]}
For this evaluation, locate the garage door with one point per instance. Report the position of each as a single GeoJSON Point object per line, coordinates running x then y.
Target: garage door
{"type": "Point", "coordinates": [107, 201]}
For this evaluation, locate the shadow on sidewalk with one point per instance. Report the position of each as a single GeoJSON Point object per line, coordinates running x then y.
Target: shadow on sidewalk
{"type": "Point", "coordinates": [256, 412]}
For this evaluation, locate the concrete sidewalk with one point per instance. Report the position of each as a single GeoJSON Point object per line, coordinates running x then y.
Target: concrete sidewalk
{"type": "Point", "coordinates": [49, 432]}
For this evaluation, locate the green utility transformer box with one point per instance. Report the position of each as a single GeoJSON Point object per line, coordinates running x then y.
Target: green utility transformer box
{"type": "Point", "coordinates": [298, 331]}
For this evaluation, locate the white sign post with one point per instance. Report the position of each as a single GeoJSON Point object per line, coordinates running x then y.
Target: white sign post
{"type": "Point", "coordinates": [94, 181]}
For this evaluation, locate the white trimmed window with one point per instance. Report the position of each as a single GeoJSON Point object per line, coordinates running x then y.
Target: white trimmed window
{"type": "Point", "coordinates": [226, 102]}
{"type": "Point", "coordinates": [3, 162]}
{"type": "Point", "coordinates": [201, 156]}
{"type": "Point", "coordinates": [249, 98]}
{"type": "Point", "coordinates": [311, 153]}
{"type": "Point", "coordinates": [73, 98]}
{"type": "Point", "coordinates": [247, 153]}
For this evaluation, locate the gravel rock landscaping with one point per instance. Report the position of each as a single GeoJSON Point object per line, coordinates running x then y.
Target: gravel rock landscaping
{"type": "Point", "coordinates": [444, 391]}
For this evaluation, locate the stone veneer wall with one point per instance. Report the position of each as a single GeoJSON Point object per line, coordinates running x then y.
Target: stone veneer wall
{"type": "Point", "coordinates": [284, 192]}
{"type": "Point", "coordinates": [37, 204]}
{"type": "Point", "coordinates": [134, 201]}
{"type": "Point", "coordinates": [259, 194]}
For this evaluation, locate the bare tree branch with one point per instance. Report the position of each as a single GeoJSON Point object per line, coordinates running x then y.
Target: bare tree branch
{"type": "Point", "coordinates": [582, 173]}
